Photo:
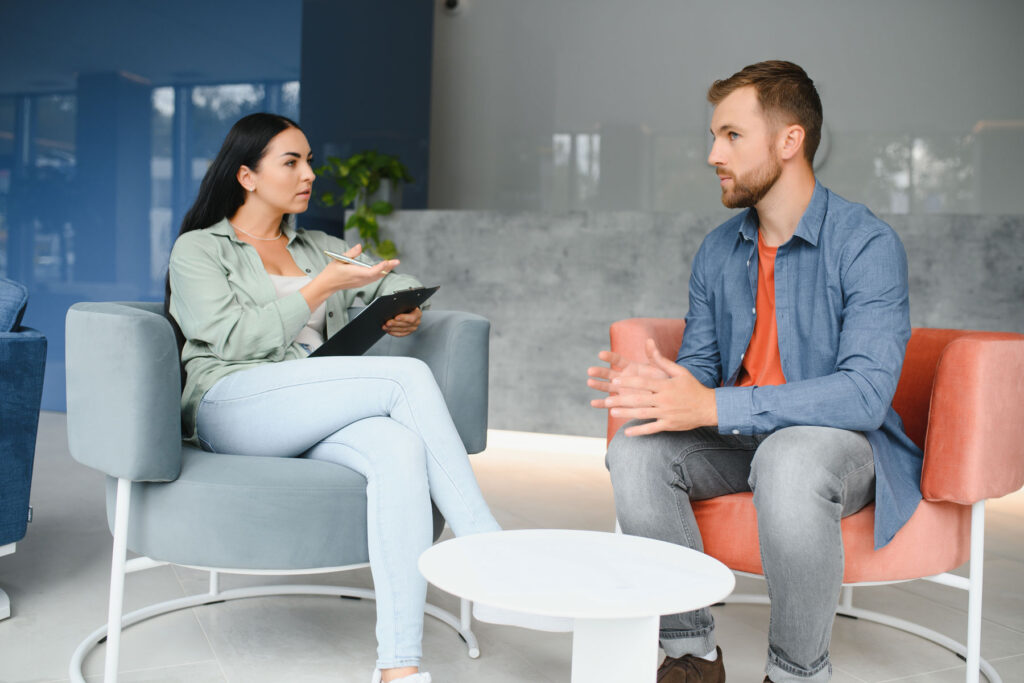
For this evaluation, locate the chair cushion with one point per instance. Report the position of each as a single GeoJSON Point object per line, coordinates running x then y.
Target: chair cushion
{"type": "Point", "coordinates": [22, 365]}
{"type": "Point", "coordinates": [13, 298]}
{"type": "Point", "coordinates": [728, 525]}
{"type": "Point", "coordinates": [249, 512]}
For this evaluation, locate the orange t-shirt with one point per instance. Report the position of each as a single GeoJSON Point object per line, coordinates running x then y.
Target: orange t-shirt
{"type": "Point", "coordinates": [762, 365]}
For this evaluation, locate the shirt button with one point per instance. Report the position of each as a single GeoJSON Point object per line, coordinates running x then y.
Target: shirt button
{"type": "Point", "coordinates": [754, 311]}
{"type": "Point", "coordinates": [735, 431]}
{"type": "Point", "coordinates": [748, 262]}
{"type": "Point", "coordinates": [742, 355]}
{"type": "Point", "coordinates": [308, 270]}
{"type": "Point", "coordinates": [330, 314]}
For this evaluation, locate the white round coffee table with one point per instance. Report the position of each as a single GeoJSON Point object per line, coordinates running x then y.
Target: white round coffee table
{"type": "Point", "coordinates": [614, 587]}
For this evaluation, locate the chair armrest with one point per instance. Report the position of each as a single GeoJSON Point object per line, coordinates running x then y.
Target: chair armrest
{"type": "Point", "coordinates": [974, 446]}
{"type": "Point", "coordinates": [22, 364]}
{"type": "Point", "coordinates": [455, 345]}
{"type": "Point", "coordinates": [629, 338]}
{"type": "Point", "coordinates": [123, 391]}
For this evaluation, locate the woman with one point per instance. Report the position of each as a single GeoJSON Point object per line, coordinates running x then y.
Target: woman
{"type": "Point", "coordinates": [252, 297]}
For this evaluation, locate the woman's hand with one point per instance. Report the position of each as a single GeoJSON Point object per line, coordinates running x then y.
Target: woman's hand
{"type": "Point", "coordinates": [346, 276]}
{"type": "Point", "coordinates": [404, 324]}
{"type": "Point", "coordinates": [338, 275]}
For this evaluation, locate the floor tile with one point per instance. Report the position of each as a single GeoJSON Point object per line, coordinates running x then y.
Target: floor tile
{"type": "Point", "coordinates": [1010, 669]}
{"type": "Point", "coordinates": [59, 579]}
{"type": "Point", "coordinates": [198, 672]}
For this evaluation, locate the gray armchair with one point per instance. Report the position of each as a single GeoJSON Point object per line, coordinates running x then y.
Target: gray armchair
{"type": "Point", "coordinates": [172, 503]}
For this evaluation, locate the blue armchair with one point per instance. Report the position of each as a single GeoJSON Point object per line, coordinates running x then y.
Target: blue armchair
{"type": "Point", "coordinates": [22, 359]}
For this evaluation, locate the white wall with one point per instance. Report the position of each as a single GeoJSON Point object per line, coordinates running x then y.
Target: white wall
{"type": "Point", "coordinates": [599, 104]}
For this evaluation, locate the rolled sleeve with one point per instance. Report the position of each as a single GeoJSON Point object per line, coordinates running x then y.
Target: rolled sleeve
{"type": "Point", "coordinates": [295, 313]}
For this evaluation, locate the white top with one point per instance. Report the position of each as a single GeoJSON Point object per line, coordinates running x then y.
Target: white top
{"type": "Point", "coordinates": [311, 337]}
{"type": "Point", "coordinates": [576, 574]}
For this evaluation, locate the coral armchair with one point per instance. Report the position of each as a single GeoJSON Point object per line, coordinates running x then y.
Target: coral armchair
{"type": "Point", "coordinates": [961, 398]}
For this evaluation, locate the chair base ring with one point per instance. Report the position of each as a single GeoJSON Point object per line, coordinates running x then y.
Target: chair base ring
{"type": "Point", "coordinates": [100, 634]}
{"type": "Point", "coordinates": [5, 605]}
{"type": "Point", "coordinates": [911, 627]}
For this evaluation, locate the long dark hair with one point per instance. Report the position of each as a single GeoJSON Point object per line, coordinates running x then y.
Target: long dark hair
{"type": "Point", "coordinates": [220, 194]}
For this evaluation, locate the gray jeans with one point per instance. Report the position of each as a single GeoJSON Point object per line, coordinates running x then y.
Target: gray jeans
{"type": "Point", "coordinates": [804, 479]}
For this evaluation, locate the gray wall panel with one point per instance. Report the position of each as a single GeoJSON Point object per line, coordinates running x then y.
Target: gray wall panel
{"type": "Point", "coordinates": [551, 285]}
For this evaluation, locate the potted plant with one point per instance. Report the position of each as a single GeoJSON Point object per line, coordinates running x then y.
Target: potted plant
{"type": "Point", "coordinates": [366, 181]}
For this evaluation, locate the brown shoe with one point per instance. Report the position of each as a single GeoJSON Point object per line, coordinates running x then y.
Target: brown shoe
{"type": "Point", "coordinates": [692, 669]}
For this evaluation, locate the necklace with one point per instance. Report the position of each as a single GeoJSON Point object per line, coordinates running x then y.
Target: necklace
{"type": "Point", "coordinates": [261, 239]}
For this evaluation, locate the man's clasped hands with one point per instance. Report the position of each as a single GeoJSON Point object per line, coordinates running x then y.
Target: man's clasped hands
{"type": "Point", "coordinates": [658, 390]}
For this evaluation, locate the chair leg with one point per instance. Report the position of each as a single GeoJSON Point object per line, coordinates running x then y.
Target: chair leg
{"type": "Point", "coordinates": [974, 592]}
{"type": "Point", "coordinates": [846, 597]}
{"type": "Point", "coordinates": [117, 571]}
{"type": "Point", "coordinates": [5, 600]}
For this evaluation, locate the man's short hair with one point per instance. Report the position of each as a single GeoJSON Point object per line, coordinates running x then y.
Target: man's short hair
{"type": "Point", "coordinates": [786, 93]}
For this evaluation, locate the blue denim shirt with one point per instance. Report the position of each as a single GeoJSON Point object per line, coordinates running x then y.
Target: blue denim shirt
{"type": "Point", "coordinates": [843, 315]}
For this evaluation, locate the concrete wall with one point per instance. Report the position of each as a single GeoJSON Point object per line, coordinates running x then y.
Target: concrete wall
{"type": "Point", "coordinates": [551, 285]}
{"type": "Point", "coordinates": [599, 104]}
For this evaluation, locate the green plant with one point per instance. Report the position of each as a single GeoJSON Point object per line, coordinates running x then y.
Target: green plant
{"type": "Point", "coordinates": [358, 177]}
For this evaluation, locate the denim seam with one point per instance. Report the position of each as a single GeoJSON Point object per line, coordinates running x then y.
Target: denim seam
{"type": "Point", "coordinates": [846, 477]}
{"type": "Point", "coordinates": [291, 385]}
{"type": "Point", "coordinates": [398, 663]}
{"type": "Point", "coordinates": [433, 457]}
{"type": "Point", "coordinates": [430, 454]}
{"type": "Point", "coordinates": [385, 564]}
{"type": "Point", "coordinates": [777, 661]}
{"type": "Point", "coordinates": [700, 447]}
{"type": "Point", "coordinates": [676, 634]}
{"type": "Point", "coordinates": [691, 538]}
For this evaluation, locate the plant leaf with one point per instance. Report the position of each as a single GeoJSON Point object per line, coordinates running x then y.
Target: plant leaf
{"type": "Point", "coordinates": [381, 208]}
{"type": "Point", "coordinates": [386, 249]}
{"type": "Point", "coordinates": [350, 195]}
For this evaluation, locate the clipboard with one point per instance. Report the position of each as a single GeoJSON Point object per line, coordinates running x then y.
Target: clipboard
{"type": "Point", "coordinates": [366, 328]}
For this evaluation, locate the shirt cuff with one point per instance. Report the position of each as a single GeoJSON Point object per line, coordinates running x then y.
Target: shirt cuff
{"type": "Point", "coordinates": [295, 313]}
{"type": "Point", "coordinates": [735, 410]}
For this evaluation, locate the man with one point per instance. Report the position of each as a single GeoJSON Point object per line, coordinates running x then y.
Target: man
{"type": "Point", "coordinates": [797, 325]}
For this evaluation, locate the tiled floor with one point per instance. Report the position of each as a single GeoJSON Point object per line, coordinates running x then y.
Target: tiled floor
{"type": "Point", "coordinates": [58, 582]}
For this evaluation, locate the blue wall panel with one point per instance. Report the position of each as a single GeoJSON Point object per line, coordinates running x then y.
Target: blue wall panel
{"type": "Point", "coordinates": [366, 85]}
{"type": "Point", "coordinates": [109, 115]}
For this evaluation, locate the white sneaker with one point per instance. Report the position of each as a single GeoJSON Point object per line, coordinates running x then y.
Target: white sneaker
{"type": "Point", "coordinates": [421, 677]}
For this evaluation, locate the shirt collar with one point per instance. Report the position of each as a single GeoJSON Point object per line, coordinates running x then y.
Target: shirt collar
{"type": "Point", "coordinates": [810, 223]}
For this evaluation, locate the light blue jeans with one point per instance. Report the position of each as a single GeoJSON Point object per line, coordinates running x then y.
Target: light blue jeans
{"type": "Point", "coordinates": [804, 479]}
{"type": "Point", "coordinates": [384, 417]}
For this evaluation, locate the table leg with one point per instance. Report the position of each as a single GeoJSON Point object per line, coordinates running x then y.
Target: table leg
{"type": "Point", "coordinates": [615, 650]}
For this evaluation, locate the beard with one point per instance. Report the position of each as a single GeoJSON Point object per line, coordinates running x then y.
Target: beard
{"type": "Point", "coordinates": [750, 189]}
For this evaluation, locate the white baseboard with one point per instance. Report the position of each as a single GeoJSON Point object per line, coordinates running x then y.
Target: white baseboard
{"type": "Point", "coordinates": [551, 443]}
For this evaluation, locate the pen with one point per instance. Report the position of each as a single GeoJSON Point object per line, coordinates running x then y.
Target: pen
{"type": "Point", "coordinates": [346, 259]}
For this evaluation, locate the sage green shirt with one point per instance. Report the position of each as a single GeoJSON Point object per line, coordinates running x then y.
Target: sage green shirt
{"type": "Point", "coordinates": [228, 310]}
